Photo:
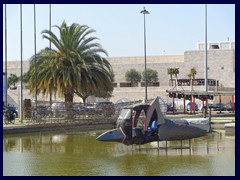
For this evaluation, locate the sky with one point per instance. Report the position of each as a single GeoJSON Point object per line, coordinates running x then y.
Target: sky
{"type": "Point", "coordinates": [171, 29]}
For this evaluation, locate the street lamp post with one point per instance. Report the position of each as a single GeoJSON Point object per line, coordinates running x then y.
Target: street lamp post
{"type": "Point", "coordinates": [144, 11]}
{"type": "Point", "coordinates": [206, 46]}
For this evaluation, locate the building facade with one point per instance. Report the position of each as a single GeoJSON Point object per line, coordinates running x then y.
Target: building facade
{"type": "Point", "coordinates": [221, 67]}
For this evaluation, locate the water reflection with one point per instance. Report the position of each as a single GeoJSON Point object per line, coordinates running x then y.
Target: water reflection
{"type": "Point", "coordinates": [80, 154]}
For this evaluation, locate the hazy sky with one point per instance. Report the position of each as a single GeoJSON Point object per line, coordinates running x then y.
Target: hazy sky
{"type": "Point", "coordinates": [170, 29]}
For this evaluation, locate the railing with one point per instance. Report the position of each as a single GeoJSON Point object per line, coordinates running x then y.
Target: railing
{"type": "Point", "coordinates": [61, 112]}
{"type": "Point", "coordinates": [195, 82]}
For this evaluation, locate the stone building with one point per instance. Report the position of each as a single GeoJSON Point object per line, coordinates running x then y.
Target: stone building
{"type": "Point", "coordinates": [221, 69]}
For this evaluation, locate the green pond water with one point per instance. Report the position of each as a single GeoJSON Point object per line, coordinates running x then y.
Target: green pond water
{"type": "Point", "coordinates": [79, 154]}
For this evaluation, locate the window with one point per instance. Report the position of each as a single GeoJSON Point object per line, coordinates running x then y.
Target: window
{"type": "Point", "coordinates": [125, 84]}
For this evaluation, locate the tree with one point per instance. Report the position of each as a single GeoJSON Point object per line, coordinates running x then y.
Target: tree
{"type": "Point", "coordinates": [193, 72]}
{"type": "Point", "coordinates": [191, 75]}
{"type": "Point", "coordinates": [104, 88]}
{"type": "Point", "coordinates": [12, 80]}
{"type": "Point", "coordinates": [176, 72]}
{"type": "Point", "coordinates": [152, 76]}
{"type": "Point", "coordinates": [171, 72]}
{"type": "Point", "coordinates": [25, 77]}
{"type": "Point", "coordinates": [133, 76]}
{"type": "Point", "coordinates": [74, 67]}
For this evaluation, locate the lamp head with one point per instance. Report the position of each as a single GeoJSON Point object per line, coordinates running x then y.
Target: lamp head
{"type": "Point", "coordinates": [144, 11]}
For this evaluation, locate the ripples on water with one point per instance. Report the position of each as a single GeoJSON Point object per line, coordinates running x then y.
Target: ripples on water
{"type": "Point", "coordinates": [77, 154]}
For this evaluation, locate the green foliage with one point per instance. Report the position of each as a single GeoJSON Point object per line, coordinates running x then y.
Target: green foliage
{"type": "Point", "coordinates": [176, 71]}
{"type": "Point", "coordinates": [173, 71]}
{"type": "Point", "coordinates": [152, 76]}
{"type": "Point", "coordinates": [12, 80]}
{"type": "Point", "coordinates": [170, 71]}
{"type": "Point", "coordinates": [133, 76]}
{"type": "Point", "coordinates": [192, 73]}
{"type": "Point", "coordinates": [75, 66]}
{"type": "Point", "coordinates": [25, 78]}
{"type": "Point", "coordinates": [189, 75]}
{"type": "Point", "coordinates": [104, 87]}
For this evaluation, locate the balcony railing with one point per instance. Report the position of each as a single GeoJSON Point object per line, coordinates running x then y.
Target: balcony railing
{"type": "Point", "coordinates": [195, 82]}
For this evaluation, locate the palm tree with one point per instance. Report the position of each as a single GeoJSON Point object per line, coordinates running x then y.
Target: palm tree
{"type": "Point", "coordinates": [100, 84]}
{"type": "Point", "coordinates": [170, 71]}
{"type": "Point", "coordinates": [193, 72]}
{"type": "Point", "coordinates": [176, 72]}
{"type": "Point", "coordinates": [190, 79]}
{"type": "Point", "coordinates": [25, 77]}
{"type": "Point", "coordinates": [189, 75]}
{"type": "Point", "coordinates": [74, 66]}
{"type": "Point", "coordinates": [173, 71]}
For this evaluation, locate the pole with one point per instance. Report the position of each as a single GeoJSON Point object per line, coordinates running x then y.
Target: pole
{"type": "Point", "coordinates": [35, 65]}
{"type": "Point", "coordinates": [184, 104]}
{"type": "Point", "coordinates": [233, 104]}
{"type": "Point", "coordinates": [220, 104]}
{"type": "Point", "coordinates": [145, 58]}
{"type": "Point", "coordinates": [21, 93]}
{"type": "Point", "coordinates": [50, 24]}
{"type": "Point", "coordinates": [205, 62]}
{"type": "Point", "coordinates": [144, 11]}
{"type": "Point", "coordinates": [173, 104]}
{"type": "Point", "coordinates": [6, 84]}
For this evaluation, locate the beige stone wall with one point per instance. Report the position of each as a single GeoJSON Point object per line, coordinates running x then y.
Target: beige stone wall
{"type": "Point", "coordinates": [14, 67]}
{"type": "Point", "coordinates": [160, 63]}
{"type": "Point", "coordinates": [221, 65]}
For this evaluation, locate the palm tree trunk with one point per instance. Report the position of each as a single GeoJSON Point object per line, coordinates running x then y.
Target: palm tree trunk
{"type": "Point", "coordinates": [68, 97]}
{"type": "Point", "coordinates": [191, 84]}
{"type": "Point", "coordinates": [50, 99]}
{"type": "Point", "coordinates": [55, 94]}
{"type": "Point", "coordinates": [68, 103]}
{"type": "Point", "coordinates": [176, 82]}
{"type": "Point", "coordinates": [84, 99]}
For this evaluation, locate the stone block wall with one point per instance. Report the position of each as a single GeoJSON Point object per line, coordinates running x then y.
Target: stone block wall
{"type": "Point", "coordinates": [221, 63]}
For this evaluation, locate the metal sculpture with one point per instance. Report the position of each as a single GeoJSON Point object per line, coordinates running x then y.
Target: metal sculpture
{"type": "Point", "coordinates": [144, 123]}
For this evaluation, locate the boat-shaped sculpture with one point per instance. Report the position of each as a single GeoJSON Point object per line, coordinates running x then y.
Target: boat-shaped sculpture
{"type": "Point", "coordinates": [132, 128]}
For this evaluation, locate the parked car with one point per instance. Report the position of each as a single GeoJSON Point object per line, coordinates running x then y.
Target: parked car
{"type": "Point", "coordinates": [210, 105]}
{"type": "Point", "coordinates": [170, 107]}
{"type": "Point", "coordinates": [230, 107]}
{"type": "Point", "coordinates": [194, 106]}
{"type": "Point", "coordinates": [218, 107]}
